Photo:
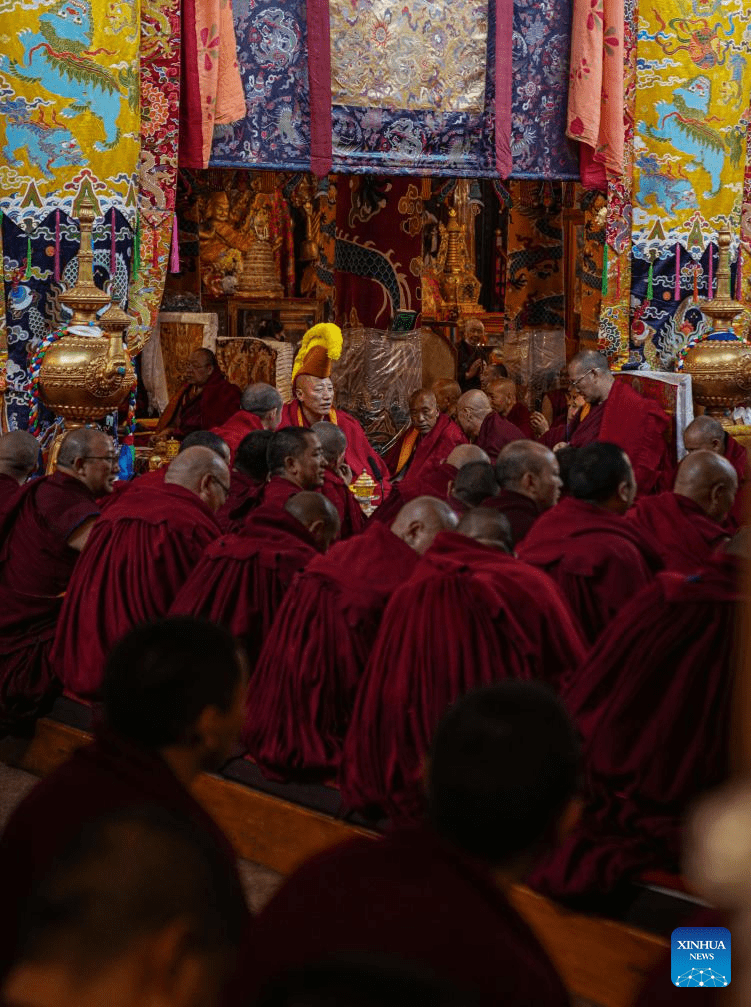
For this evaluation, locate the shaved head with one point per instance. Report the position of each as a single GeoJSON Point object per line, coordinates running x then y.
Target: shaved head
{"type": "Point", "coordinates": [206, 439]}
{"type": "Point", "coordinates": [423, 411]}
{"type": "Point", "coordinates": [463, 454]}
{"type": "Point", "coordinates": [530, 469]}
{"type": "Point", "coordinates": [589, 360]}
{"type": "Point", "coordinates": [19, 453]}
{"type": "Point", "coordinates": [88, 454]}
{"type": "Point", "coordinates": [318, 514]}
{"type": "Point", "coordinates": [471, 410]}
{"type": "Point", "coordinates": [704, 434]}
{"type": "Point", "coordinates": [710, 481]}
{"type": "Point", "coordinates": [80, 443]}
{"type": "Point", "coordinates": [420, 520]}
{"type": "Point", "coordinates": [202, 472]}
{"type": "Point", "coordinates": [447, 393]}
{"type": "Point", "coordinates": [333, 440]}
{"type": "Point", "coordinates": [474, 483]}
{"type": "Point", "coordinates": [488, 526]}
{"type": "Point", "coordinates": [502, 394]}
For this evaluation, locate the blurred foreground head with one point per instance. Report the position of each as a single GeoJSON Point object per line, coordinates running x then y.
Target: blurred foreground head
{"type": "Point", "coordinates": [140, 910]}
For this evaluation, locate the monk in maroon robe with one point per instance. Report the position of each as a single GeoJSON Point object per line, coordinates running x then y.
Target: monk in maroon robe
{"type": "Point", "coordinates": [501, 393]}
{"type": "Point", "coordinates": [19, 456]}
{"type": "Point", "coordinates": [618, 415]}
{"type": "Point", "coordinates": [41, 536]}
{"type": "Point", "coordinates": [314, 402]}
{"type": "Point", "coordinates": [501, 780]}
{"type": "Point", "coordinates": [240, 580]}
{"type": "Point", "coordinates": [530, 484]}
{"type": "Point", "coordinates": [474, 484]}
{"type": "Point", "coordinates": [598, 558]}
{"type": "Point", "coordinates": [653, 705]}
{"type": "Point", "coordinates": [483, 426]}
{"type": "Point", "coordinates": [687, 525]}
{"type": "Point", "coordinates": [155, 741]}
{"type": "Point", "coordinates": [707, 434]}
{"type": "Point", "coordinates": [260, 409]}
{"type": "Point", "coordinates": [206, 401]}
{"type": "Point", "coordinates": [138, 557]}
{"type": "Point", "coordinates": [470, 615]}
{"type": "Point", "coordinates": [312, 660]}
{"type": "Point", "coordinates": [249, 475]}
{"type": "Point", "coordinates": [338, 477]}
{"type": "Point", "coordinates": [295, 461]}
{"type": "Point", "coordinates": [428, 440]}
{"type": "Point", "coordinates": [447, 394]}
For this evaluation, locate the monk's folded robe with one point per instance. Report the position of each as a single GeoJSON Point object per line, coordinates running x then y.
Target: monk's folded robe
{"type": "Point", "coordinates": [360, 456]}
{"type": "Point", "coordinates": [520, 510]}
{"type": "Point", "coordinates": [470, 615]}
{"type": "Point", "coordinates": [9, 490]}
{"type": "Point", "coordinates": [495, 433]}
{"type": "Point", "coordinates": [36, 564]}
{"type": "Point", "coordinates": [411, 454]}
{"type": "Point", "coordinates": [637, 425]}
{"type": "Point", "coordinates": [740, 513]}
{"type": "Point", "coordinates": [238, 426]}
{"type": "Point", "coordinates": [240, 580]}
{"type": "Point", "coordinates": [653, 705]}
{"type": "Point", "coordinates": [305, 681]}
{"type": "Point", "coordinates": [683, 535]}
{"type": "Point", "coordinates": [412, 896]}
{"type": "Point", "coordinates": [598, 559]}
{"type": "Point", "coordinates": [138, 556]}
{"type": "Point", "coordinates": [433, 482]}
{"type": "Point", "coordinates": [351, 517]}
{"type": "Point", "coordinates": [244, 494]}
{"type": "Point", "coordinates": [202, 408]}
{"type": "Point", "coordinates": [107, 775]}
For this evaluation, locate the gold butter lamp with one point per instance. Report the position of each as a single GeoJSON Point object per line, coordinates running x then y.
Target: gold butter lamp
{"type": "Point", "coordinates": [720, 362]}
{"type": "Point", "coordinates": [87, 373]}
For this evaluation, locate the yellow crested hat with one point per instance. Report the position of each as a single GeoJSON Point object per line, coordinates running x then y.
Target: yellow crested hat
{"type": "Point", "coordinates": [320, 345]}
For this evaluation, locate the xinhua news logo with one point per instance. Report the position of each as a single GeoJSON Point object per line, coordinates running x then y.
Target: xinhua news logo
{"type": "Point", "coordinates": [700, 956]}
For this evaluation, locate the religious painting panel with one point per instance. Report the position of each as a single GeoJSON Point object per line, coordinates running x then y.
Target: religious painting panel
{"type": "Point", "coordinates": [245, 361]}
{"type": "Point", "coordinates": [535, 274]}
{"type": "Point", "coordinates": [180, 334]}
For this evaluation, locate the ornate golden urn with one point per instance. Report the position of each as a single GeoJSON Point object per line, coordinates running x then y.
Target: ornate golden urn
{"type": "Point", "coordinates": [86, 374]}
{"type": "Point", "coordinates": [720, 363]}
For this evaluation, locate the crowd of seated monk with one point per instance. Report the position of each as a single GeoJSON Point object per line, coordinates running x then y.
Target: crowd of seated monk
{"type": "Point", "coordinates": [580, 559]}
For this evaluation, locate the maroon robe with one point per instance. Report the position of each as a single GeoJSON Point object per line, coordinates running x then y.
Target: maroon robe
{"type": "Point", "coordinates": [36, 564]}
{"type": "Point", "coordinates": [637, 425]}
{"type": "Point", "coordinates": [598, 559]}
{"type": "Point", "coordinates": [653, 705]}
{"type": "Point", "coordinates": [681, 532]}
{"type": "Point", "coordinates": [312, 660]}
{"type": "Point", "coordinates": [469, 616]}
{"type": "Point", "coordinates": [9, 490]}
{"type": "Point", "coordinates": [107, 775]}
{"type": "Point", "coordinates": [271, 499]}
{"type": "Point", "coordinates": [341, 496]}
{"type": "Point", "coordinates": [209, 407]}
{"type": "Point", "coordinates": [138, 556]}
{"type": "Point", "coordinates": [495, 433]}
{"type": "Point", "coordinates": [737, 455]}
{"type": "Point", "coordinates": [236, 428]}
{"type": "Point", "coordinates": [359, 455]}
{"type": "Point", "coordinates": [559, 402]}
{"type": "Point", "coordinates": [428, 451]}
{"type": "Point", "coordinates": [434, 482]}
{"type": "Point", "coordinates": [519, 415]}
{"type": "Point", "coordinates": [240, 580]}
{"type": "Point", "coordinates": [244, 494]}
{"type": "Point", "coordinates": [412, 896]}
{"type": "Point", "coordinates": [520, 510]}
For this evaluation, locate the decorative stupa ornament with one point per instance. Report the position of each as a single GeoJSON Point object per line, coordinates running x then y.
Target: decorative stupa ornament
{"type": "Point", "coordinates": [259, 275]}
{"type": "Point", "coordinates": [85, 374]}
{"type": "Point", "coordinates": [364, 491]}
{"type": "Point", "coordinates": [719, 362]}
{"type": "Point", "coordinates": [460, 288]}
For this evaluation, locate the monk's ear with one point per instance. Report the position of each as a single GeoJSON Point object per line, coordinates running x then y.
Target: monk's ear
{"type": "Point", "coordinates": [298, 394]}
{"type": "Point", "coordinates": [318, 531]}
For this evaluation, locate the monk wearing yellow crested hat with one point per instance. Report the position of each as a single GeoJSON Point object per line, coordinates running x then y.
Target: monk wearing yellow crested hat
{"type": "Point", "coordinates": [314, 402]}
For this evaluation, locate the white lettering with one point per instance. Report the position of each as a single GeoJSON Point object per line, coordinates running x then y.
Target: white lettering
{"type": "Point", "coordinates": [700, 956]}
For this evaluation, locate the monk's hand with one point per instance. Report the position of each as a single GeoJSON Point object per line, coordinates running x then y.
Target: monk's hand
{"type": "Point", "coordinates": [345, 472]}
{"type": "Point", "coordinates": [476, 367]}
{"type": "Point", "coordinates": [560, 445]}
{"type": "Point", "coordinates": [539, 424]}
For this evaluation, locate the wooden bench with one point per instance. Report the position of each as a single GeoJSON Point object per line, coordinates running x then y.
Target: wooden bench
{"type": "Point", "coordinates": [602, 962]}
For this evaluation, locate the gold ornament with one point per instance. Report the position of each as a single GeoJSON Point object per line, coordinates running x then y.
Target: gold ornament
{"type": "Point", "coordinates": [364, 490]}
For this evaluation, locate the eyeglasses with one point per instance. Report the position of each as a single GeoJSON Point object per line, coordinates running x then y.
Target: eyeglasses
{"type": "Point", "coordinates": [112, 459]}
{"type": "Point", "coordinates": [577, 381]}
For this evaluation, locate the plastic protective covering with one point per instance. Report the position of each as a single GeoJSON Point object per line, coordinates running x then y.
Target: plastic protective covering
{"type": "Point", "coordinates": [534, 358]}
{"type": "Point", "coordinates": [374, 377]}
